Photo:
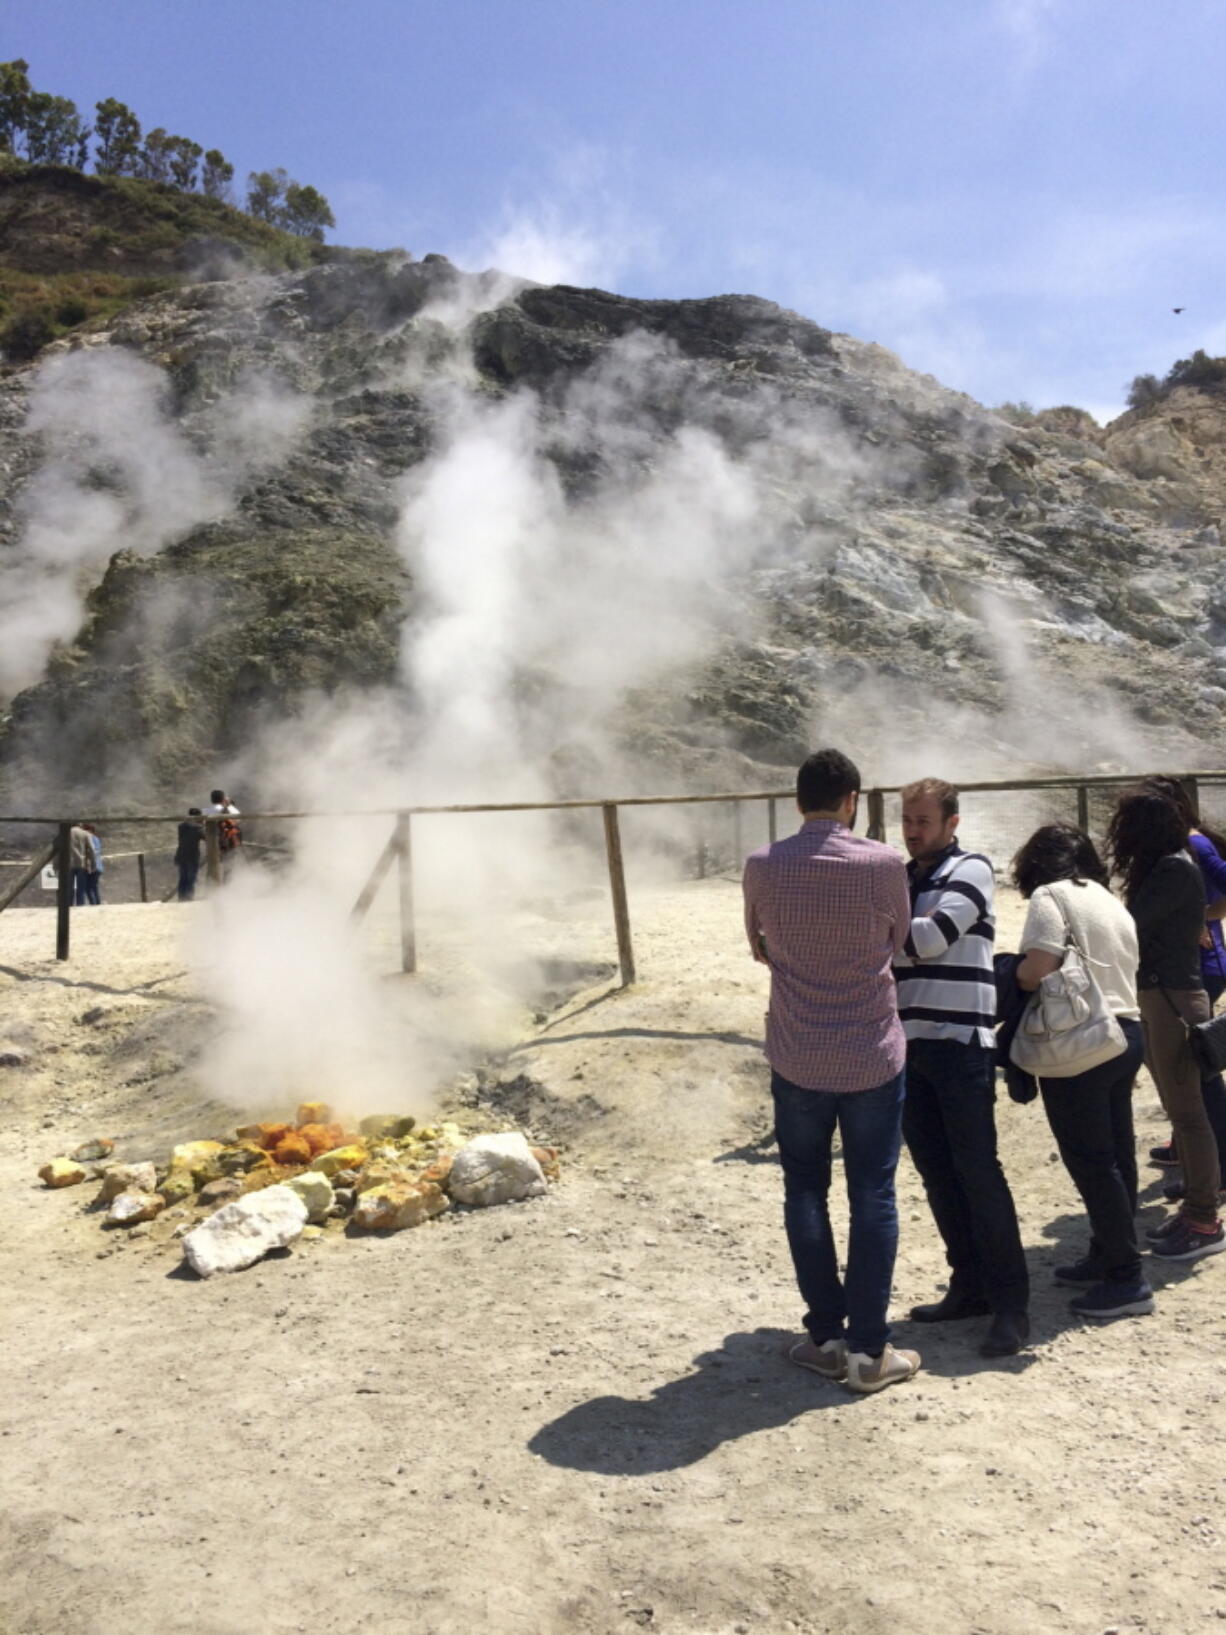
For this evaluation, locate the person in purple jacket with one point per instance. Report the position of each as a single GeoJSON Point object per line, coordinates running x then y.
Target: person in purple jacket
{"type": "Point", "coordinates": [1208, 847]}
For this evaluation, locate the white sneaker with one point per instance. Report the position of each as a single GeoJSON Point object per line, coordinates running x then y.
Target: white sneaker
{"type": "Point", "coordinates": [865, 1373]}
{"type": "Point", "coordinates": [828, 1359]}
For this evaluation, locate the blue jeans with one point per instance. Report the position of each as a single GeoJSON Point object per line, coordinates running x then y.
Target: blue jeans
{"type": "Point", "coordinates": [869, 1123]}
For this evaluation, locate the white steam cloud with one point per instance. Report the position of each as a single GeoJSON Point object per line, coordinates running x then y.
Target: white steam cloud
{"type": "Point", "coordinates": [118, 473]}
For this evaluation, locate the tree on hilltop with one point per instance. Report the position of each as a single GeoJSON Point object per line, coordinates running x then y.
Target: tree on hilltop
{"type": "Point", "coordinates": [273, 196]}
{"type": "Point", "coordinates": [117, 130]}
{"type": "Point", "coordinates": [306, 212]}
{"type": "Point", "coordinates": [266, 194]}
{"type": "Point", "coordinates": [55, 133]}
{"type": "Point", "coordinates": [14, 101]}
{"type": "Point", "coordinates": [216, 175]}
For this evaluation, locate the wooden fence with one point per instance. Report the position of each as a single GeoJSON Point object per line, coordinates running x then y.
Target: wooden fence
{"type": "Point", "coordinates": [399, 847]}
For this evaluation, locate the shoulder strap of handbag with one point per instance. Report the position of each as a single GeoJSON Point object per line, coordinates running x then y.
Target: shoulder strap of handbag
{"type": "Point", "coordinates": [1070, 935]}
{"type": "Point", "coordinates": [1175, 1011]}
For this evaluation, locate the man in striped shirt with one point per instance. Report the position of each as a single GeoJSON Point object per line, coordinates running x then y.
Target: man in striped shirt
{"type": "Point", "coordinates": [947, 1002]}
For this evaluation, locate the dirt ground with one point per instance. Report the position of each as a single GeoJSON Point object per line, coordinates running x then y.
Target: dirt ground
{"type": "Point", "coordinates": [574, 1413]}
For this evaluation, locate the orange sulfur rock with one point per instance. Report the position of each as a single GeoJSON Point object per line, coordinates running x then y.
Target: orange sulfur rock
{"type": "Point", "coordinates": [438, 1171]}
{"type": "Point", "coordinates": [322, 1137]}
{"type": "Point", "coordinates": [313, 1112]}
{"type": "Point", "coordinates": [267, 1135]}
{"type": "Point", "coordinates": [547, 1158]}
{"type": "Point", "coordinates": [292, 1149]}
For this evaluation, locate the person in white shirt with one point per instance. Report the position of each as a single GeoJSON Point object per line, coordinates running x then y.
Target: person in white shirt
{"type": "Point", "coordinates": [1064, 880]}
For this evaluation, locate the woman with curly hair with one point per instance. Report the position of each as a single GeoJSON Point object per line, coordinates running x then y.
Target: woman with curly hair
{"type": "Point", "coordinates": [1148, 845]}
{"type": "Point", "coordinates": [1063, 879]}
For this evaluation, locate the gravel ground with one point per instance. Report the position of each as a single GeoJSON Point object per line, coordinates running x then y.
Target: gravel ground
{"type": "Point", "coordinates": [571, 1413]}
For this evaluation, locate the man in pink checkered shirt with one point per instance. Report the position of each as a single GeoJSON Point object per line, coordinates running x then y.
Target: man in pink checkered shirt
{"type": "Point", "coordinates": [828, 912]}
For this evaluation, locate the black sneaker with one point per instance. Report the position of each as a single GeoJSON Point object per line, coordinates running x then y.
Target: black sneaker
{"type": "Point", "coordinates": [1190, 1242]}
{"type": "Point", "coordinates": [1079, 1272]}
{"type": "Point", "coordinates": [1166, 1156]}
{"type": "Point", "coordinates": [1164, 1229]}
{"type": "Point", "coordinates": [1135, 1299]}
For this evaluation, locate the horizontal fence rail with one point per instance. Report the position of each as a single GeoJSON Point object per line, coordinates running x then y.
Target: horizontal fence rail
{"type": "Point", "coordinates": [399, 847]}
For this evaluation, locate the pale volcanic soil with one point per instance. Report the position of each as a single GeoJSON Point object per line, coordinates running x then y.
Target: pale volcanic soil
{"type": "Point", "coordinates": [574, 1413]}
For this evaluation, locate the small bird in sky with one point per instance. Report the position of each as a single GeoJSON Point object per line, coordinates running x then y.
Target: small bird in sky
{"type": "Point", "coordinates": [1176, 310]}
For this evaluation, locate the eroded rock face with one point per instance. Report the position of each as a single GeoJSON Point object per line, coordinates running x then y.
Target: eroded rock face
{"type": "Point", "coordinates": [242, 1232]}
{"type": "Point", "coordinates": [908, 536]}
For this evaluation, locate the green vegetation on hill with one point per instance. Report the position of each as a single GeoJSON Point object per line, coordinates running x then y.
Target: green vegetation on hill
{"type": "Point", "coordinates": [75, 249]}
{"type": "Point", "coordinates": [48, 130]}
{"type": "Point", "coordinates": [1206, 374]}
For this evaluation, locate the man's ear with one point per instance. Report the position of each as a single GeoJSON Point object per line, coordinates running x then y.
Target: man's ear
{"type": "Point", "coordinates": [955, 820]}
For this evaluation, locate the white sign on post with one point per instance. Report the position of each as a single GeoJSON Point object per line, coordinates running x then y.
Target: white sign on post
{"type": "Point", "coordinates": [50, 879]}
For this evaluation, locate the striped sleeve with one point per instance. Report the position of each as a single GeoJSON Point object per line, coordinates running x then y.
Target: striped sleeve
{"type": "Point", "coordinates": [953, 910]}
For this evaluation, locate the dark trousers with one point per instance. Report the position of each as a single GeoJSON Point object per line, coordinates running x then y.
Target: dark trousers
{"type": "Point", "coordinates": [949, 1125]}
{"type": "Point", "coordinates": [80, 887]}
{"type": "Point", "coordinates": [868, 1124]}
{"type": "Point", "coordinates": [1091, 1118]}
{"type": "Point", "coordinates": [187, 880]}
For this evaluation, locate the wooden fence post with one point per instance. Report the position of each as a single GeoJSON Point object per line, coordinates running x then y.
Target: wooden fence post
{"type": "Point", "coordinates": [33, 869]}
{"type": "Point", "coordinates": [369, 891]}
{"type": "Point", "coordinates": [738, 836]}
{"type": "Point", "coordinates": [63, 890]}
{"type": "Point", "coordinates": [1083, 808]}
{"type": "Point", "coordinates": [1192, 790]}
{"type": "Point", "coordinates": [212, 849]}
{"type": "Point", "coordinates": [404, 868]}
{"type": "Point", "coordinates": [772, 821]}
{"type": "Point", "coordinates": [617, 883]}
{"type": "Point", "coordinates": [144, 882]}
{"type": "Point", "coordinates": [876, 815]}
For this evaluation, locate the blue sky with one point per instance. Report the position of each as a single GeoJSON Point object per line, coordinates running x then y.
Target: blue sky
{"type": "Point", "coordinates": [1012, 194]}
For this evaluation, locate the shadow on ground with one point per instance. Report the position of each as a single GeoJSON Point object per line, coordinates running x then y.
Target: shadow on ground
{"type": "Point", "coordinates": [745, 1386]}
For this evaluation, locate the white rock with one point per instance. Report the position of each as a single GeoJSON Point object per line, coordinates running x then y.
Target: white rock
{"type": "Point", "coordinates": [127, 1178]}
{"type": "Point", "coordinates": [495, 1169]}
{"type": "Point", "coordinates": [242, 1232]}
{"type": "Point", "coordinates": [316, 1192]}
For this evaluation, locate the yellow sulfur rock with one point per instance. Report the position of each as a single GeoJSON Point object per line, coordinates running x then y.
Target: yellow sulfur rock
{"type": "Point", "coordinates": [351, 1157]}
{"type": "Point", "coordinates": [178, 1186]}
{"type": "Point", "coordinates": [382, 1172]}
{"type": "Point", "coordinates": [201, 1159]}
{"type": "Point", "coordinates": [61, 1172]}
{"type": "Point", "coordinates": [313, 1112]}
{"type": "Point", "coordinates": [397, 1205]}
{"type": "Point", "coordinates": [243, 1156]}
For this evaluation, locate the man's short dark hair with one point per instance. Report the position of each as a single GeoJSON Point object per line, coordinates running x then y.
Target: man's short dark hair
{"type": "Point", "coordinates": [825, 780]}
{"type": "Point", "coordinates": [945, 794]}
{"type": "Point", "coordinates": [194, 811]}
{"type": "Point", "coordinates": [217, 796]}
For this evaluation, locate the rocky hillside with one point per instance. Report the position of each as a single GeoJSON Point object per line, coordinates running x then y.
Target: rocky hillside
{"type": "Point", "coordinates": [880, 560]}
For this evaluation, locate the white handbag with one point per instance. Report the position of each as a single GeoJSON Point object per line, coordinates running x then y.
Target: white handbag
{"type": "Point", "coordinates": [1067, 1028]}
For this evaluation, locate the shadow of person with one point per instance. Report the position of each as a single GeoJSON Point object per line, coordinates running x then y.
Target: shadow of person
{"type": "Point", "coordinates": [746, 1385]}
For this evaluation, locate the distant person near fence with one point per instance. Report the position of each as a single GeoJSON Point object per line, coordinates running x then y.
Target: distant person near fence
{"type": "Point", "coordinates": [826, 912]}
{"type": "Point", "coordinates": [229, 832]}
{"type": "Point", "coordinates": [93, 884]}
{"type": "Point", "coordinates": [187, 853]}
{"type": "Point", "coordinates": [84, 865]}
